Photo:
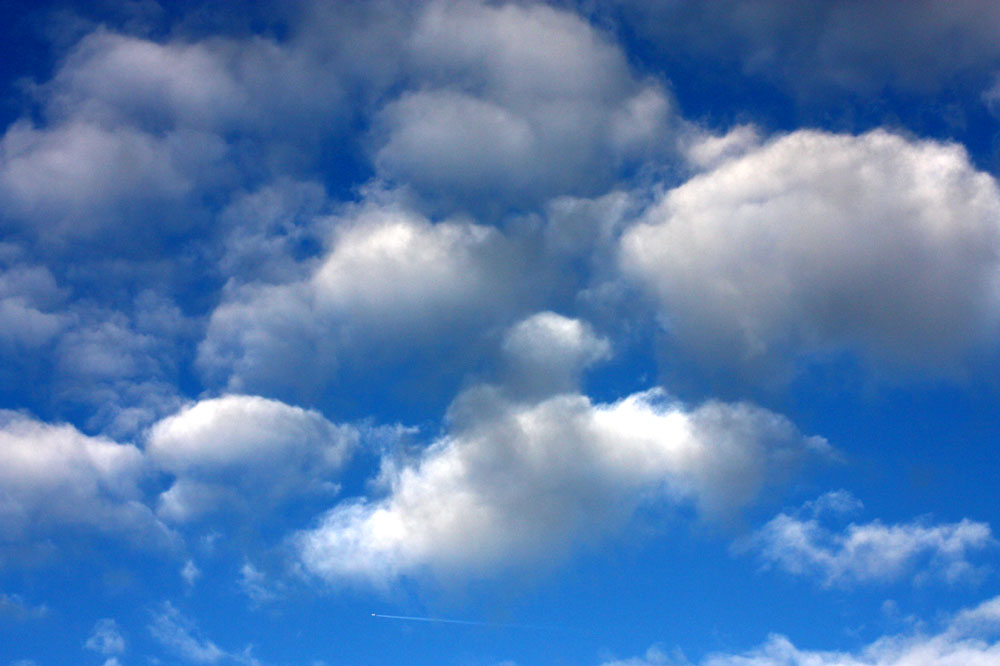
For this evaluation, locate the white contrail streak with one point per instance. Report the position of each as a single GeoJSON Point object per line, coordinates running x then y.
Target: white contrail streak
{"type": "Point", "coordinates": [466, 622]}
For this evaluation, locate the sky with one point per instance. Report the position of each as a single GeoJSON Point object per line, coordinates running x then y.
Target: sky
{"type": "Point", "coordinates": [466, 333]}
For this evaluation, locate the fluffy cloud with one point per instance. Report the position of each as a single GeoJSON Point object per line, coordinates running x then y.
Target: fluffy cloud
{"type": "Point", "coordinates": [245, 445]}
{"type": "Point", "coordinates": [79, 179]}
{"type": "Point", "coordinates": [547, 352]}
{"type": "Point", "coordinates": [968, 639]}
{"type": "Point", "coordinates": [871, 552]}
{"type": "Point", "coordinates": [818, 242]}
{"type": "Point", "coordinates": [514, 481]}
{"type": "Point", "coordinates": [54, 475]}
{"type": "Point", "coordinates": [30, 301]}
{"type": "Point", "coordinates": [392, 281]}
{"type": "Point", "coordinates": [218, 85]}
{"type": "Point", "coordinates": [139, 134]}
{"type": "Point", "coordinates": [544, 104]}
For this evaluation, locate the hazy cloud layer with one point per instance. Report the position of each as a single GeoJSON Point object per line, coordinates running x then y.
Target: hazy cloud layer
{"type": "Point", "coordinates": [818, 45]}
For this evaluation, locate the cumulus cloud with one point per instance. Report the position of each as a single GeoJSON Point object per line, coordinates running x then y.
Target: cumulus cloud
{"type": "Point", "coordinates": [818, 242]}
{"type": "Point", "coordinates": [801, 544]}
{"type": "Point", "coordinates": [513, 481]}
{"type": "Point", "coordinates": [520, 102]}
{"type": "Point", "coordinates": [244, 446]}
{"type": "Point", "coordinates": [392, 281]}
{"type": "Point", "coordinates": [55, 476]}
{"type": "Point", "coordinates": [143, 134]}
{"type": "Point", "coordinates": [547, 352]}
{"type": "Point", "coordinates": [30, 303]}
{"type": "Point", "coordinates": [969, 638]}
{"type": "Point", "coordinates": [121, 364]}
{"type": "Point", "coordinates": [77, 180]}
{"type": "Point", "coordinates": [216, 85]}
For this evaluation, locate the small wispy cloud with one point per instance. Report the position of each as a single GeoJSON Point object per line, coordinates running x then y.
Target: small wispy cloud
{"type": "Point", "coordinates": [802, 543]}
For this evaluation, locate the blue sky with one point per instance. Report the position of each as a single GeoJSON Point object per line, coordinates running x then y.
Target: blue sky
{"type": "Point", "coordinates": [611, 334]}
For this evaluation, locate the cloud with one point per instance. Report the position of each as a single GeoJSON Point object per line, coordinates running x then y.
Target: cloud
{"type": "Point", "coordinates": [819, 243]}
{"type": "Point", "coordinates": [190, 573]}
{"type": "Point", "coordinates": [106, 639]}
{"type": "Point", "coordinates": [514, 482]}
{"type": "Point", "coordinates": [547, 352]}
{"type": "Point", "coordinates": [181, 635]}
{"type": "Point", "coordinates": [391, 282]}
{"type": "Point", "coordinates": [178, 633]}
{"type": "Point", "coordinates": [247, 445]}
{"type": "Point", "coordinates": [969, 638]}
{"type": "Point", "coordinates": [271, 230]}
{"type": "Point", "coordinates": [54, 476]}
{"type": "Point", "coordinates": [810, 46]}
{"type": "Point", "coordinates": [149, 135]}
{"type": "Point", "coordinates": [870, 552]}
{"type": "Point", "coordinates": [495, 120]}
{"type": "Point", "coordinates": [80, 180]}
{"type": "Point", "coordinates": [15, 607]}
{"type": "Point", "coordinates": [256, 585]}
{"type": "Point", "coordinates": [120, 365]}
{"type": "Point", "coordinates": [30, 304]}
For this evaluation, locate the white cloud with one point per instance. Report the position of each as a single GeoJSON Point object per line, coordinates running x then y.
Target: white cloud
{"type": "Point", "coordinates": [820, 242]}
{"type": "Point", "coordinates": [121, 367]}
{"type": "Point", "coordinates": [78, 179]}
{"type": "Point", "coordinates": [267, 229]}
{"type": "Point", "coordinates": [223, 85]}
{"type": "Point", "coordinates": [547, 352]}
{"type": "Point", "coordinates": [30, 301]}
{"type": "Point", "coordinates": [177, 632]}
{"type": "Point", "coordinates": [54, 475]}
{"type": "Point", "coordinates": [256, 585]}
{"type": "Point", "coordinates": [708, 151]}
{"type": "Point", "coordinates": [106, 638]}
{"type": "Point", "coordinates": [515, 481]}
{"type": "Point", "coordinates": [872, 552]}
{"type": "Point", "coordinates": [133, 132]}
{"type": "Point", "coordinates": [968, 639]}
{"type": "Point", "coordinates": [181, 635]}
{"type": "Point", "coordinates": [517, 103]}
{"type": "Point", "coordinates": [260, 447]}
{"type": "Point", "coordinates": [391, 282]}
{"type": "Point", "coordinates": [190, 573]}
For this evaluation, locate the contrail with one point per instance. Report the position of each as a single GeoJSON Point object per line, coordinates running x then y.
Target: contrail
{"type": "Point", "coordinates": [466, 622]}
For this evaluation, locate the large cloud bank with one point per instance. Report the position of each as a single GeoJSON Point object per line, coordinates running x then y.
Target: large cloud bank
{"type": "Point", "coordinates": [817, 243]}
